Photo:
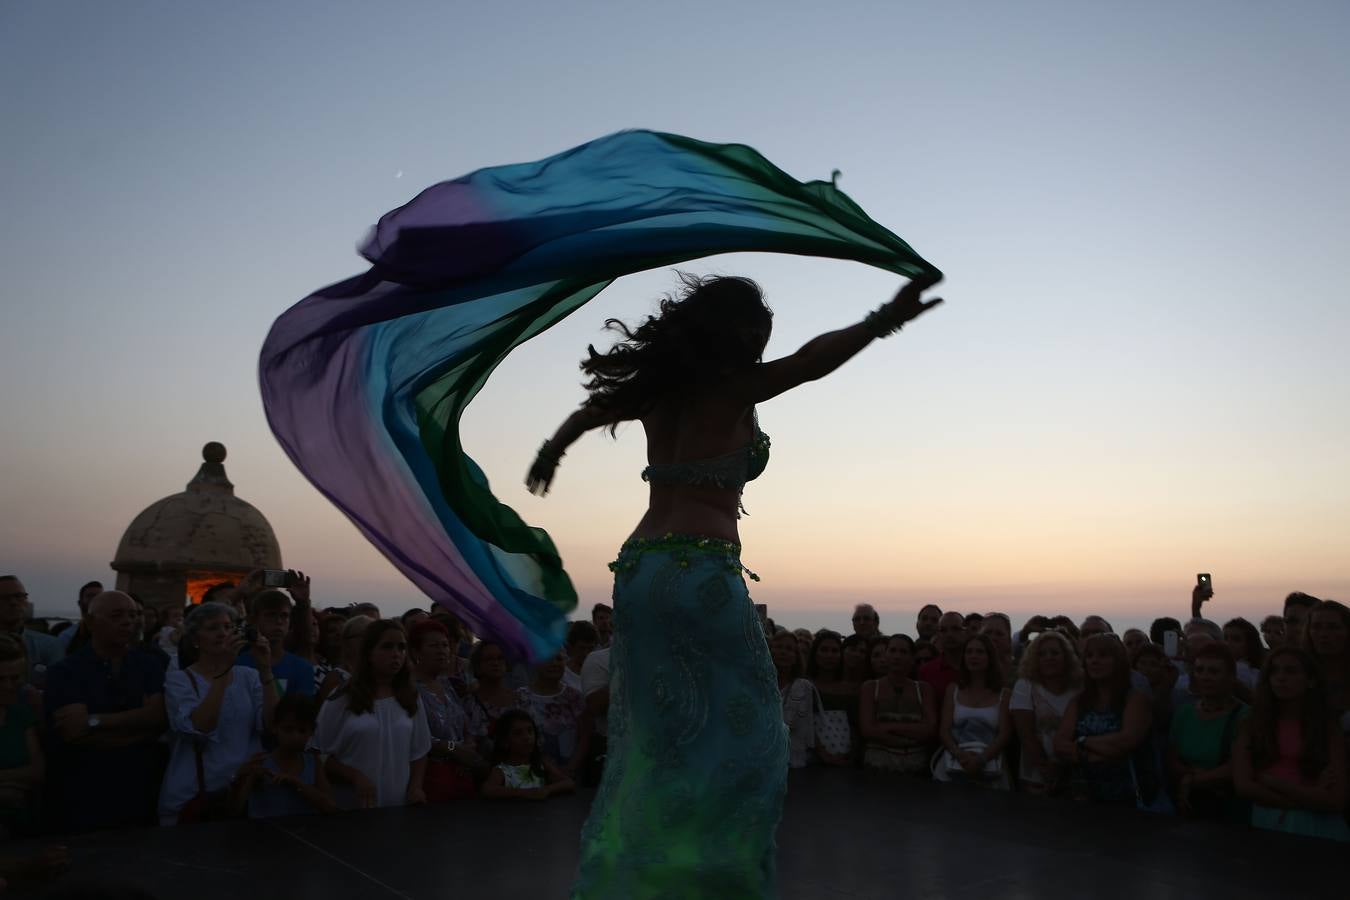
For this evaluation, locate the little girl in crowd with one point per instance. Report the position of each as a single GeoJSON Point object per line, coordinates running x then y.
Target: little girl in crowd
{"type": "Point", "coordinates": [290, 780]}
{"type": "Point", "coordinates": [519, 769]}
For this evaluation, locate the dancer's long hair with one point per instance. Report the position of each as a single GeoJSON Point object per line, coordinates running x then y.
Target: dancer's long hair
{"type": "Point", "coordinates": [716, 325]}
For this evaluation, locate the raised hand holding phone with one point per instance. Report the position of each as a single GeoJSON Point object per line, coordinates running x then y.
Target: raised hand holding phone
{"type": "Point", "coordinates": [1203, 591]}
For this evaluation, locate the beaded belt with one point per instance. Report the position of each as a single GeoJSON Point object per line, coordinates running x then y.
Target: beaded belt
{"type": "Point", "coordinates": [682, 546]}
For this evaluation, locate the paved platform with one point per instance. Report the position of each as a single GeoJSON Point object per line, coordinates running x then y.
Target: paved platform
{"type": "Point", "coordinates": [846, 835]}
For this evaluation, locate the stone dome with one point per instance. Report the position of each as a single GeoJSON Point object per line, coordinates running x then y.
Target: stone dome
{"type": "Point", "coordinates": [205, 529]}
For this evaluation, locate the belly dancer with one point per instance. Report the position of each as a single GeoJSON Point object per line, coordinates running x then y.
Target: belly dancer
{"type": "Point", "coordinates": [697, 763]}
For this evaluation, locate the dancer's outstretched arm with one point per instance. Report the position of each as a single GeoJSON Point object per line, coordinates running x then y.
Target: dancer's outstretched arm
{"type": "Point", "coordinates": [574, 426]}
{"type": "Point", "coordinates": [820, 356]}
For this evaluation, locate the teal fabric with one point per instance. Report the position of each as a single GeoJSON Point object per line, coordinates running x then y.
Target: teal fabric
{"type": "Point", "coordinates": [364, 382]}
{"type": "Point", "coordinates": [698, 753]}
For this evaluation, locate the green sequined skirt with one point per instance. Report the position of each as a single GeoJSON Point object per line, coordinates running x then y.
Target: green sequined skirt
{"type": "Point", "coordinates": [697, 762]}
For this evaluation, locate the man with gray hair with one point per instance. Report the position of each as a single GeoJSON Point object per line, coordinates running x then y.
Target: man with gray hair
{"type": "Point", "coordinates": [866, 622]}
{"type": "Point", "coordinates": [105, 711]}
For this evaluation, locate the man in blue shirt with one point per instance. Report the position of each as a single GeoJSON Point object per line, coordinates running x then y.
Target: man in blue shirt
{"type": "Point", "coordinates": [42, 649]}
{"type": "Point", "coordinates": [270, 613]}
{"type": "Point", "coordinates": [105, 709]}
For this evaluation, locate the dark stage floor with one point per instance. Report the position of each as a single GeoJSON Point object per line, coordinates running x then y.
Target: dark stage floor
{"type": "Point", "coordinates": [845, 835]}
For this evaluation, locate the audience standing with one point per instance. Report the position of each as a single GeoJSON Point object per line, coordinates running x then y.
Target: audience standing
{"type": "Point", "coordinates": [898, 715]}
{"type": "Point", "coordinates": [975, 727]}
{"type": "Point", "coordinates": [492, 696]}
{"type": "Point", "coordinates": [1328, 643]}
{"type": "Point", "coordinates": [42, 649]}
{"type": "Point", "coordinates": [998, 628]}
{"type": "Point", "coordinates": [1133, 639]}
{"type": "Point", "coordinates": [23, 768]}
{"type": "Point", "coordinates": [520, 769]}
{"type": "Point", "coordinates": [595, 691]}
{"type": "Point", "coordinates": [1296, 608]}
{"type": "Point", "coordinates": [1244, 643]}
{"type": "Point", "coordinates": [951, 640]}
{"type": "Point", "coordinates": [1199, 758]}
{"type": "Point", "coordinates": [1105, 729]}
{"type": "Point", "coordinates": [866, 622]}
{"type": "Point", "coordinates": [270, 614]}
{"type": "Point", "coordinates": [451, 762]}
{"type": "Point", "coordinates": [877, 662]}
{"type": "Point", "coordinates": [582, 639]}
{"type": "Point", "coordinates": [799, 700]}
{"type": "Point", "coordinates": [562, 727]}
{"type": "Point", "coordinates": [290, 780]}
{"type": "Point", "coordinates": [105, 710]}
{"type": "Point", "coordinates": [77, 636]}
{"type": "Point", "coordinates": [926, 623]}
{"type": "Point", "coordinates": [218, 710]}
{"type": "Point", "coordinates": [1289, 760]}
{"type": "Point", "coordinates": [1272, 631]}
{"type": "Point", "coordinates": [353, 632]}
{"type": "Point", "coordinates": [1050, 677]}
{"type": "Point", "coordinates": [602, 617]}
{"type": "Point", "coordinates": [374, 730]}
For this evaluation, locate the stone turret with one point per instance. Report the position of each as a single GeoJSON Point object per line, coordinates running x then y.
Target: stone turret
{"type": "Point", "coordinates": [181, 545]}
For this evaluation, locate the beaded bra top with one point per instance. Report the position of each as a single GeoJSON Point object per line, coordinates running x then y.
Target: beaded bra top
{"type": "Point", "coordinates": [730, 471]}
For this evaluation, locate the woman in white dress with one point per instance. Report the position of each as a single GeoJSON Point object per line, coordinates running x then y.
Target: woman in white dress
{"type": "Point", "coordinates": [374, 729]}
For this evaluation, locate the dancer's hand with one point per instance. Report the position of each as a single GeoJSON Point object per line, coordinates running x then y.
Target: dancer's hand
{"type": "Point", "coordinates": [908, 302]}
{"type": "Point", "coordinates": [541, 473]}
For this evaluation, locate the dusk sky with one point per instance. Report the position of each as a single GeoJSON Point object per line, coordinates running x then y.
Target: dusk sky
{"type": "Point", "coordinates": [1142, 210]}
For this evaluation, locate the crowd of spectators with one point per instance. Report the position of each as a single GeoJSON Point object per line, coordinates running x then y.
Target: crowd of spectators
{"type": "Point", "coordinates": [255, 703]}
{"type": "Point", "coordinates": [1225, 723]}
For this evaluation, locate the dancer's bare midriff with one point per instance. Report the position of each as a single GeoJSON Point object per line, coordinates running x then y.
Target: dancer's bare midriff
{"type": "Point", "coordinates": [695, 429]}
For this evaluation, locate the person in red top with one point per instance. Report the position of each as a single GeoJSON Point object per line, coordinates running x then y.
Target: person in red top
{"type": "Point", "coordinates": [951, 639]}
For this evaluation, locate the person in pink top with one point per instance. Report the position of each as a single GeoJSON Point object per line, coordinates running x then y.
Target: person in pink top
{"type": "Point", "coordinates": [1289, 760]}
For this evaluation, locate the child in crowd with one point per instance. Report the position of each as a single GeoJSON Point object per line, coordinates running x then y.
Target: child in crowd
{"type": "Point", "coordinates": [520, 769]}
{"type": "Point", "coordinates": [171, 632]}
{"type": "Point", "coordinates": [289, 781]}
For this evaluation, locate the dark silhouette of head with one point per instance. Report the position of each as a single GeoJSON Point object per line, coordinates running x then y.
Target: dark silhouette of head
{"type": "Point", "coordinates": [715, 326]}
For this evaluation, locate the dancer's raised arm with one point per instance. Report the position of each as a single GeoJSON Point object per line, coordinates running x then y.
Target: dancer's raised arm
{"type": "Point", "coordinates": [574, 426]}
{"type": "Point", "coordinates": [821, 355]}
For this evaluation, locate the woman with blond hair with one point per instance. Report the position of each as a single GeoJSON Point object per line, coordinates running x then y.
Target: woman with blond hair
{"type": "Point", "coordinates": [1049, 678]}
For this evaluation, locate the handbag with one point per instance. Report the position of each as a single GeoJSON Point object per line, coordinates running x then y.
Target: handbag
{"type": "Point", "coordinates": [446, 779]}
{"type": "Point", "coordinates": [953, 766]}
{"type": "Point", "coordinates": [833, 732]}
{"type": "Point", "coordinates": [205, 806]}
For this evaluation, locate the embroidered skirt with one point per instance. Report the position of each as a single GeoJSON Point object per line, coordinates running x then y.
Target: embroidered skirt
{"type": "Point", "coordinates": [694, 781]}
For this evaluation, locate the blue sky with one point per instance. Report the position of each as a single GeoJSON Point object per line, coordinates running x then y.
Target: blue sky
{"type": "Point", "coordinates": [1142, 210]}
